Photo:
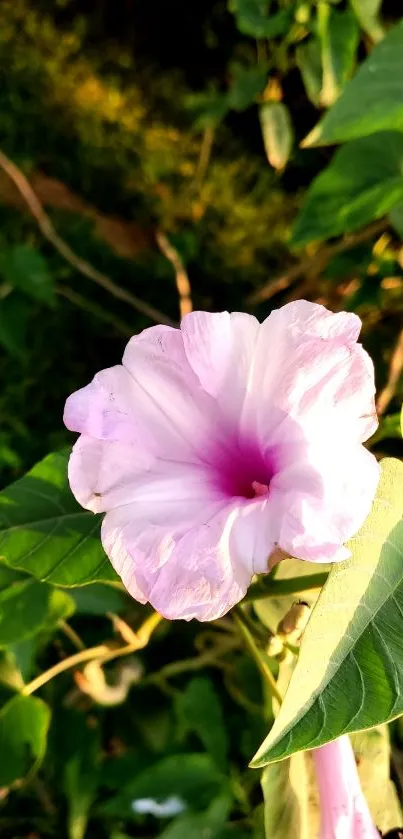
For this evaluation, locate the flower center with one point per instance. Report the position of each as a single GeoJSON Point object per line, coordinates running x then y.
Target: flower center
{"type": "Point", "coordinates": [242, 470]}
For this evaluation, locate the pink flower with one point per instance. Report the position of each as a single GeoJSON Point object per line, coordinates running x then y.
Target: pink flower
{"type": "Point", "coordinates": [344, 810]}
{"type": "Point", "coordinates": [218, 444]}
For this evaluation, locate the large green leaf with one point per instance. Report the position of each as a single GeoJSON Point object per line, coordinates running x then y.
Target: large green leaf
{"type": "Point", "coordinates": [363, 181]}
{"type": "Point", "coordinates": [24, 723]}
{"type": "Point", "coordinates": [372, 100]}
{"type": "Point", "coordinates": [44, 531]}
{"type": "Point", "coordinates": [349, 674]}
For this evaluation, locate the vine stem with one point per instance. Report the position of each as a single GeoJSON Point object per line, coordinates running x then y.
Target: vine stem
{"type": "Point", "coordinates": [102, 652]}
{"type": "Point", "coordinates": [256, 654]}
{"type": "Point", "coordinates": [278, 588]}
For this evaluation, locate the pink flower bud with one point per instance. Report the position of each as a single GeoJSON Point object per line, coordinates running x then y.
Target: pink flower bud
{"type": "Point", "coordinates": [344, 810]}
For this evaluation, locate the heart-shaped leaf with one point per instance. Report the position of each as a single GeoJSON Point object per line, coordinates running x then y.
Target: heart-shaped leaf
{"type": "Point", "coordinates": [45, 532]}
{"type": "Point", "coordinates": [24, 723]}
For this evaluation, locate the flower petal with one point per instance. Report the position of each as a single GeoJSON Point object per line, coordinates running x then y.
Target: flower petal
{"type": "Point", "coordinates": [220, 349]}
{"type": "Point", "coordinates": [344, 811]}
{"type": "Point", "coordinates": [153, 402]}
{"type": "Point", "coordinates": [183, 573]}
{"type": "Point", "coordinates": [317, 370]}
{"type": "Point", "coordinates": [104, 475]}
{"type": "Point", "coordinates": [325, 500]}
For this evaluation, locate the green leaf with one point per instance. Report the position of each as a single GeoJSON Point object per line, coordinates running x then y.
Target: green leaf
{"type": "Point", "coordinates": [252, 18]}
{"type": "Point", "coordinates": [372, 101]}
{"type": "Point", "coordinates": [208, 825]}
{"type": "Point", "coordinates": [389, 428]}
{"type": "Point", "coordinates": [247, 83]}
{"type": "Point", "coordinates": [23, 609]}
{"type": "Point", "coordinates": [98, 599]}
{"type": "Point", "coordinates": [14, 313]}
{"type": "Point", "coordinates": [349, 674]}
{"type": "Point", "coordinates": [363, 181]}
{"type": "Point", "coordinates": [308, 57]}
{"type": "Point", "coordinates": [278, 133]}
{"type": "Point", "coordinates": [81, 775]}
{"type": "Point", "coordinates": [45, 532]}
{"type": "Point", "coordinates": [199, 710]}
{"type": "Point", "coordinates": [26, 270]}
{"type": "Point", "coordinates": [285, 789]}
{"type": "Point", "coordinates": [61, 607]}
{"type": "Point", "coordinates": [367, 13]}
{"type": "Point", "coordinates": [24, 723]}
{"type": "Point", "coordinates": [191, 777]}
{"type": "Point", "coordinates": [396, 219]}
{"type": "Point", "coordinates": [207, 108]}
{"type": "Point", "coordinates": [339, 35]}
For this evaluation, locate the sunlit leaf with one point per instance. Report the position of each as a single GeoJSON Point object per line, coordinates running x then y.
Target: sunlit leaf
{"type": "Point", "coordinates": [372, 752]}
{"type": "Point", "coordinates": [339, 36]}
{"type": "Point", "coordinates": [371, 101]}
{"type": "Point", "coordinates": [285, 792]}
{"type": "Point", "coordinates": [349, 671]}
{"type": "Point", "coordinates": [367, 13]}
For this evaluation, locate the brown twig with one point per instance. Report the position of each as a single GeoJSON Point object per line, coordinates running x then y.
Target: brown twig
{"type": "Point", "coordinates": [316, 262]}
{"type": "Point", "coordinates": [395, 370]}
{"type": "Point", "coordinates": [181, 276]}
{"type": "Point", "coordinates": [81, 265]}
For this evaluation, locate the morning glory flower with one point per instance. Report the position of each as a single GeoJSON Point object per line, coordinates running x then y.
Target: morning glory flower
{"type": "Point", "coordinates": [217, 448]}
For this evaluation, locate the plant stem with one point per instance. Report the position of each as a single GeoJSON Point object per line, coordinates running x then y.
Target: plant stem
{"type": "Point", "coordinates": [101, 652]}
{"type": "Point", "coordinates": [256, 654]}
{"type": "Point", "coordinates": [71, 634]}
{"type": "Point", "coordinates": [277, 588]}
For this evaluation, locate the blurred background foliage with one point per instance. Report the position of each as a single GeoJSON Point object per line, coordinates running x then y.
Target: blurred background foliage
{"type": "Point", "coordinates": [163, 141]}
